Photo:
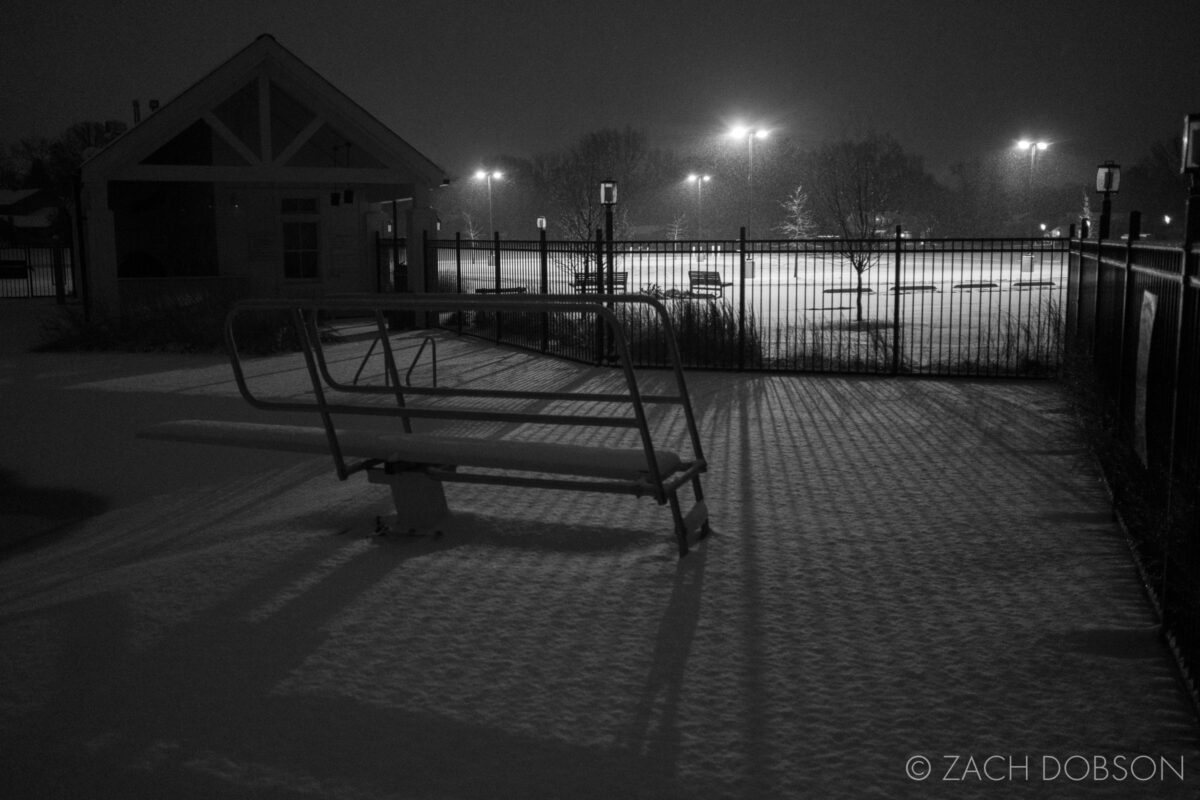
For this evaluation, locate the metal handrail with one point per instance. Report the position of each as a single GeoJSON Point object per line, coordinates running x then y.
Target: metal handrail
{"type": "Point", "coordinates": [429, 340]}
{"type": "Point", "coordinates": [304, 314]}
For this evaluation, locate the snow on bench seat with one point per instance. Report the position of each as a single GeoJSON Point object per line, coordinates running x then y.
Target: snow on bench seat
{"type": "Point", "coordinates": [618, 463]}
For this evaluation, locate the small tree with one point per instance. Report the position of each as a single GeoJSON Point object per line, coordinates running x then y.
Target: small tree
{"type": "Point", "coordinates": [470, 228]}
{"type": "Point", "coordinates": [859, 188]}
{"type": "Point", "coordinates": [677, 227]}
{"type": "Point", "coordinates": [799, 222]}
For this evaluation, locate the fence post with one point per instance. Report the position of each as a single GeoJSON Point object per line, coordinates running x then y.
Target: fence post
{"type": "Point", "coordinates": [1096, 307]}
{"type": "Point", "coordinates": [1184, 322]}
{"type": "Point", "coordinates": [458, 262]}
{"type": "Point", "coordinates": [741, 357]}
{"type": "Point", "coordinates": [599, 279]}
{"type": "Point", "coordinates": [544, 286]}
{"type": "Point", "coordinates": [1135, 223]}
{"type": "Point", "coordinates": [60, 289]}
{"type": "Point", "coordinates": [896, 344]}
{"type": "Point", "coordinates": [496, 256]}
{"type": "Point", "coordinates": [496, 272]}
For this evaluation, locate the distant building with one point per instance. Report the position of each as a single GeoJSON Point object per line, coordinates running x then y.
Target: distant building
{"type": "Point", "coordinates": [262, 179]}
{"type": "Point", "coordinates": [28, 216]}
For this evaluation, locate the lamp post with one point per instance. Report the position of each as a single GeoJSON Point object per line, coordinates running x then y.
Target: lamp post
{"type": "Point", "coordinates": [699, 180]}
{"type": "Point", "coordinates": [1108, 182]}
{"type": "Point", "coordinates": [604, 283]}
{"type": "Point", "coordinates": [749, 133]}
{"type": "Point", "coordinates": [488, 175]}
{"type": "Point", "coordinates": [608, 199]}
{"type": "Point", "coordinates": [1033, 147]}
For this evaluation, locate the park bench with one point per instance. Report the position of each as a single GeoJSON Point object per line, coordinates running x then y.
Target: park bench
{"type": "Point", "coordinates": [502, 290]}
{"type": "Point", "coordinates": [14, 269]}
{"type": "Point", "coordinates": [587, 282]}
{"type": "Point", "coordinates": [415, 465]}
{"type": "Point", "coordinates": [909, 288]}
{"type": "Point", "coordinates": [706, 284]}
{"type": "Point", "coordinates": [984, 286]}
{"type": "Point", "coordinates": [1033, 284]}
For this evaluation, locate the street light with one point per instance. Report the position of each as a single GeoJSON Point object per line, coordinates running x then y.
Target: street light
{"type": "Point", "coordinates": [1033, 147]}
{"type": "Point", "coordinates": [489, 175]}
{"type": "Point", "coordinates": [1108, 182]}
{"type": "Point", "coordinates": [749, 134]}
{"type": "Point", "coordinates": [608, 198]}
{"type": "Point", "coordinates": [699, 180]}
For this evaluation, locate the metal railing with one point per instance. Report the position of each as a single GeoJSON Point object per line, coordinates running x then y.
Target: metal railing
{"type": "Point", "coordinates": [1134, 317]}
{"type": "Point", "coordinates": [36, 272]}
{"type": "Point", "coordinates": [973, 307]}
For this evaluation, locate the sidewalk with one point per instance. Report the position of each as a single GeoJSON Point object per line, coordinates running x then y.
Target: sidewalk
{"type": "Point", "coordinates": [900, 569]}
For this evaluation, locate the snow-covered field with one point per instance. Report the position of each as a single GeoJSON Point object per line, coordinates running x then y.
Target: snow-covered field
{"type": "Point", "coordinates": [993, 311]}
{"type": "Point", "coordinates": [900, 570]}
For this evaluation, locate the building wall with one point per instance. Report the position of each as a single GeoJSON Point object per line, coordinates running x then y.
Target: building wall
{"type": "Point", "coordinates": [249, 221]}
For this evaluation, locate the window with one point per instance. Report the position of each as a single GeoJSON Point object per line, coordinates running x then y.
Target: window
{"type": "Point", "coordinates": [300, 250]}
{"type": "Point", "coordinates": [301, 238]}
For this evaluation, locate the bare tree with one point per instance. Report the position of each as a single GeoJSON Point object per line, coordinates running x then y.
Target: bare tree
{"type": "Point", "coordinates": [677, 227]}
{"type": "Point", "coordinates": [859, 188]}
{"type": "Point", "coordinates": [569, 181]}
{"type": "Point", "coordinates": [470, 227]}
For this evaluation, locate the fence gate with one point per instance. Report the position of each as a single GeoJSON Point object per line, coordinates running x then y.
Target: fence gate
{"type": "Point", "coordinates": [36, 272]}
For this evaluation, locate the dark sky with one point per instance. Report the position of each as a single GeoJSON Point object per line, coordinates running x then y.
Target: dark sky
{"type": "Point", "coordinates": [951, 79]}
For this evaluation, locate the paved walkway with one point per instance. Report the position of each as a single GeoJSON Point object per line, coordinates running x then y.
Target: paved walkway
{"type": "Point", "coordinates": [900, 570]}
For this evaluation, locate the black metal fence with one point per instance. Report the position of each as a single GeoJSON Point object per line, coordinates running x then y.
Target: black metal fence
{"type": "Point", "coordinates": [36, 272]}
{"type": "Point", "coordinates": [1133, 313]}
{"type": "Point", "coordinates": [962, 307]}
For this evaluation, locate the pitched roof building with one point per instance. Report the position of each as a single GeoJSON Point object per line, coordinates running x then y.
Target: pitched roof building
{"type": "Point", "coordinates": [260, 179]}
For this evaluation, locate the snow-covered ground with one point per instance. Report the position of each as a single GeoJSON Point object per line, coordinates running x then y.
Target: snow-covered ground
{"type": "Point", "coordinates": [961, 309]}
{"type": "Point", "coordinates": [900, 570]}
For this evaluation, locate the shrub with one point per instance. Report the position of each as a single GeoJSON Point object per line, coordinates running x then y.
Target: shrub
{"type": "Point", "coordinates": [185, 322]}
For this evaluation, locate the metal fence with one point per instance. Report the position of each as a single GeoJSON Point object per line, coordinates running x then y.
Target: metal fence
{"type": "Point", "coordinates": [36, 272]}
{"type": "Point", "coordinates": [954, 307]}
{"type": "Point", "coordinates": [1133, 313]}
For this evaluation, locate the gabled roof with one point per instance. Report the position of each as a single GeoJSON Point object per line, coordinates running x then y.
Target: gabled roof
{"type": "Point", "coordinates": [24, 201]}
{"type": "Point", "coordinates": [263, 115]}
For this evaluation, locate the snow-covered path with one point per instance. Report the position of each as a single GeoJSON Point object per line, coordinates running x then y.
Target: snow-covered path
{"type": "Point", "coordinates": [899, 570]}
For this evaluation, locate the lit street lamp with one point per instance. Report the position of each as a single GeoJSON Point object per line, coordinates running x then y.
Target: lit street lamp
{"type": "Point", "coordinates": [749, 134]}
{"type": "Point", "coordinates": [699, 180]}
{"type": "Point", "coordinates": [488, 175]}
{"type": "Point", "coordinates": [1033, 148]}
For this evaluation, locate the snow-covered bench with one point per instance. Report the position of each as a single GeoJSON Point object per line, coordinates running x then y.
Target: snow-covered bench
{"type": "Point", "coordinates": [415, 465]}
{"type": "Point", "coordinates": [703, 283]}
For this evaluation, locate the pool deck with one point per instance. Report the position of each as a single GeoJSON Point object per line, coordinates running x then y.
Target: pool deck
{"type": "Point", "coordinates": [906, 578]}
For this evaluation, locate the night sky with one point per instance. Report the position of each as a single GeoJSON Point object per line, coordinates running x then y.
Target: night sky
{"type": "Point", "coordinates": [463, 81]}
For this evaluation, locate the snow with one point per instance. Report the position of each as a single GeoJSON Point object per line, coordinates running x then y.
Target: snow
{"type": "Point", "coordinates": [898, 568]}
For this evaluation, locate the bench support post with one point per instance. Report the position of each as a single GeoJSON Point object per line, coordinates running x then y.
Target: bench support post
{"type": "Point", "coordinates": [419, 499]}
